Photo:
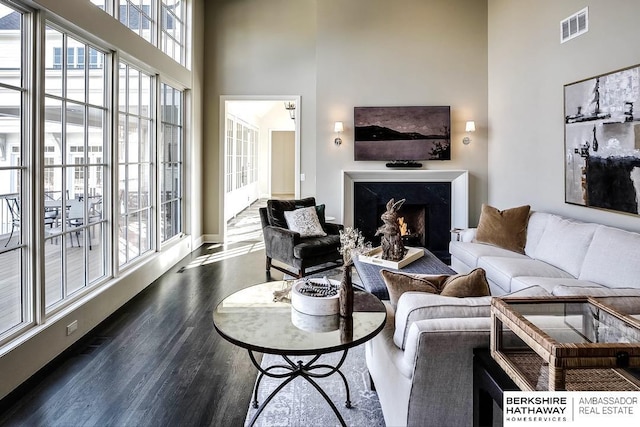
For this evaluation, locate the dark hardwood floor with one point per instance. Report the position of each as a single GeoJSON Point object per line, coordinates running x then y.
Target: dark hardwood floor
{"type": "Point", "coordinates": [158, 360]}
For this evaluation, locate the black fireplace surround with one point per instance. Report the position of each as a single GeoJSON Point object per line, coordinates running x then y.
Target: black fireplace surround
{"type": "Point", "coordinates": [370, 199]}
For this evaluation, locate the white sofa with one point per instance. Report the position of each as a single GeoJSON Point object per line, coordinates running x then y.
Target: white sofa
{"type": "Point", "coordinates": [421, 363]}
{"type": "Point", "coordinates": [558, 251]}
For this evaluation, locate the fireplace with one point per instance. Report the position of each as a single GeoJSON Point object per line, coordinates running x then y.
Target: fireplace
{"type": "Point", "coordinates": [426, 211]}
{"type": "Point", "coordinates": [441, 216]}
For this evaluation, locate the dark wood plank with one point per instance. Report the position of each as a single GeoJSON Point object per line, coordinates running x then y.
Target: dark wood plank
{"type": "Point", "coordinates": [157, 360]}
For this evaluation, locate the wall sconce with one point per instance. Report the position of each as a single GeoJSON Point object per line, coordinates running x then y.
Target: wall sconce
{"type": "Point", "coordinates": [290, 106]}
{"type": "Point", "coordinates": [338, 128]}
{"type": "Point", "coordinates": [469, 127]}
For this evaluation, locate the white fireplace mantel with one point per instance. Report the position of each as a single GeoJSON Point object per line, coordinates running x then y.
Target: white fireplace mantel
{"type": "Point", "coordinates": [459, 180]}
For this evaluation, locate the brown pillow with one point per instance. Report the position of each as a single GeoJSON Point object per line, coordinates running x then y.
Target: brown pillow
{"type": "Point", "coordinates": [399, 283]}
{"type": "Point", "coordinates": [506, 229]}
{"type": "Point", "coordinates": [473, 284]}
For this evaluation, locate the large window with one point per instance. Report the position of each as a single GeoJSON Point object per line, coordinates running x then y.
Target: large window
{"type": "Point", "coordinates": [241, 154]}
{"type": "Point", "coordinates": [76, 135]}
{"type": "Point", "coordinates": [139, 16]}
{"type": "Point", "coordinates": [100, 3]}
{"type": "Point", "coordinates": [136, 137]}
{"type": "Point", "coordinates": [172, 36]}
{"type": "Point", "coordinates": [171, 163]}
{"type": "Point", "coordinates": [81, 195]}
{"type": "Point", "coordinates": [16, 306]}
{"type": "Point", "coordinates": [160, 22]}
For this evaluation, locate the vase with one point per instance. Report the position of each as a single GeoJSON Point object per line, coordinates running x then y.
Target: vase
{"type": "Point", "coordinates": [346, 293]}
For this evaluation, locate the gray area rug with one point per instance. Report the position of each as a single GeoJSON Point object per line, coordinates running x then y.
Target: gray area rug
{"type": "Point", "coordinates": [299, 404]}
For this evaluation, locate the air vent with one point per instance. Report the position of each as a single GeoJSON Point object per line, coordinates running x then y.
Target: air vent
{"type": "Point", "coordinates": [575, 25]}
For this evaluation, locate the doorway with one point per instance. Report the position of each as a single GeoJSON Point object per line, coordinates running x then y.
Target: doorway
{"type": "Point", "coordinates": [282, 164]}
{"type": "Point", "coordinates": [259, 149]}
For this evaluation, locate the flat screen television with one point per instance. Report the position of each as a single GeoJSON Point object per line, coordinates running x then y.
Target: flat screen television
{"type": "Point", "coordinates": [402, 133]}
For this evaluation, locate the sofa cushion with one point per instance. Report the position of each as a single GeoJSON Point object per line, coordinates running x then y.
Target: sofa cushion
{"type": "Point", "coordinates": [548, 283]}
{"type": "Point", "coordinates": [535, 228]}
{"type": "Point", "coordinates": [413, 306]}
{"type": "Point", "coordinates": [531, 291]}
{"type": "Point", "coordinates": [564, 244]}
{"type": "Point", "coordinates": [469, 253]}
{"type": "Point", "coordinates": [594, 291]}
{"type": "Point", "coordinates": [613, 258]}
{"type": "Point", "coordinates": [500, 270]}
{"type": "Point", "coordinates": [624, 300]}
{"type": "Point", "coordinates": [305, 222]}
{"type": "Point", "coordinates": [314, 246]}
{"type": "Point", "coordinates": [506, 229]}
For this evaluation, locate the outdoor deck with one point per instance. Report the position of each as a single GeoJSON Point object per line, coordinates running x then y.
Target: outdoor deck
{"type": "Point", "coordinates": [76, 268]}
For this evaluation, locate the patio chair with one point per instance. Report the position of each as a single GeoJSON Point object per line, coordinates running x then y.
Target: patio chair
{"type": "Point", "coordinates": [13, 205]}
{"type": "Point", "coordinates": [76, 219]}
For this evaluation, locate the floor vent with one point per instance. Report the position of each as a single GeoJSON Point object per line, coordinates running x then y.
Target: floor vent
{"type": "Point", "coordinates": [575, 25]}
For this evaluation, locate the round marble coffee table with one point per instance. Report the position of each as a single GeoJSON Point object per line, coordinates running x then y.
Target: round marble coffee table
{"type": "Point", "coordinates": [252, 319]}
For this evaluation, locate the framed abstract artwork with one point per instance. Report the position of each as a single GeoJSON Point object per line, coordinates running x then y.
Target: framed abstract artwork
{"type": "Point", "coordinates": [602, 141]}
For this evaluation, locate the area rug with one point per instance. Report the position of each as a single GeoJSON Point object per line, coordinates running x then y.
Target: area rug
{"type": "Point", "coordinates": [299, 404]}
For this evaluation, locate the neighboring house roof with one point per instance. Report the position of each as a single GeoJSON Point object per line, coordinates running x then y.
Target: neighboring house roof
{"type": "Point", "coordinates": [10, 21]}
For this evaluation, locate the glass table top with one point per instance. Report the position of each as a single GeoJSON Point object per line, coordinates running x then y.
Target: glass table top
{"type": "Point", "coordinates": [250, 318]}
{"type": "Point", "coordinates": [579, 322]}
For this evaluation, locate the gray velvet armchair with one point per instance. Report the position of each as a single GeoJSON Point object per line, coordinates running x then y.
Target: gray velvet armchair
{"type": "Point", "coordinates": [298, 254]}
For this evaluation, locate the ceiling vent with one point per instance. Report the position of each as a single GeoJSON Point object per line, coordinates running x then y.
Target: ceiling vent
{"type": "Point", "coordinates": [575, 25]}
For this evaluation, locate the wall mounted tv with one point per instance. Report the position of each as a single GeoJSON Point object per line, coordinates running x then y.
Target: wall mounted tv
{"type": "Point", "coordinates": [402, 133]}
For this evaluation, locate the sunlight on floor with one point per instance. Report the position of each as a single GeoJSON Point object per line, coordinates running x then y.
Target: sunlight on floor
{"type": "Point", "coordinates": [225, 253]}
{"type": "Point", "coordinates": [243, 236]}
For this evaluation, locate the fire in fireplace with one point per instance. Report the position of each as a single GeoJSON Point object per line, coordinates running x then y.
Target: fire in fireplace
{"type": "Point", "coordinates": [412, 225]}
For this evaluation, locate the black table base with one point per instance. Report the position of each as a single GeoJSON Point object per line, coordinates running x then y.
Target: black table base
{"type": "Point", "coordinates": [307, 370]}
{"type": "Point", "coordinates": [489, 384]}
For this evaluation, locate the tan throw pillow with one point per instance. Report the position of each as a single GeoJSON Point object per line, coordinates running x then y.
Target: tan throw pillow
{"type": "Point", "coordinates": [506, 229]}
{"type": "Point", "coordinates": [399, 283]}
{"type": "Point", "coordinates": [473, 284]}
{"type": "Point", "coordinates": [460, 285]}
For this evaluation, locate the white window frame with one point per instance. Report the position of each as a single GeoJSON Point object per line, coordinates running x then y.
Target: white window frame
{"type": "Point", "coordinates": [70, 155]}
{"type": "Point", "coordinates": [180, 162]}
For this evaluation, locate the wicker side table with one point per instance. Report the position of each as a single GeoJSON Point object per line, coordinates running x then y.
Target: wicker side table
{"type": "Point", "coordinates": [565, 344]}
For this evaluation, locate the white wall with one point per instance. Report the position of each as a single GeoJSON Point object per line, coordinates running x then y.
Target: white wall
{"type": "Point", "coordinates": [338, 54]}
{"type": "Point", "coordinates": [528, 68]}
{"type": "Point", "coordinates": [262, 48]}
{"type": "Point", "coordinates": [415, 52]}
